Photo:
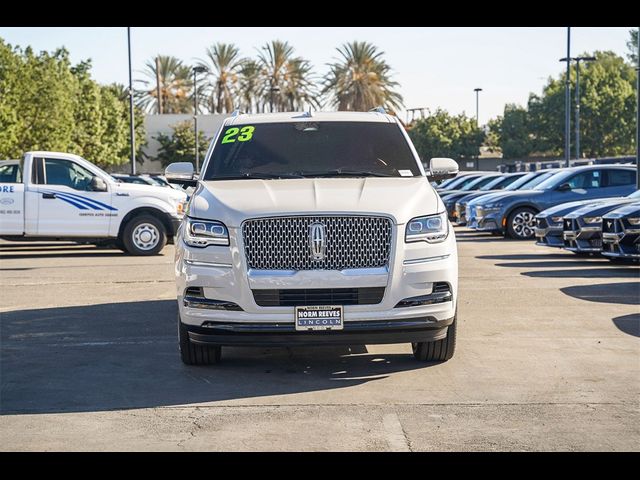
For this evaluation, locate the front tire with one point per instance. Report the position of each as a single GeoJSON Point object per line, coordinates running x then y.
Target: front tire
{"type": "Point", "coordinates": [438, 351]}
{"type": "Point", "coordinates": [521, 223]}
{"type": "Point", "coordinates": [194, 354]}
{"type": "Point", "coordinates": [144, 235]}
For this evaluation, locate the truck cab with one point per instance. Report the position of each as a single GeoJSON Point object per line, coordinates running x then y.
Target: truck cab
{"type": "Point", "coordinates": [63, 196]}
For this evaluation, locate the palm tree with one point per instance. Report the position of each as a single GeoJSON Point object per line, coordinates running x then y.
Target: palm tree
{"type": "Point", "coordinates": [249, 86]}
{"type": "Point", "coordinates": [175, 86]}
{"type": "Point", "coordinates": [360, 80]}
{"type": "Point", "coordinates": [223, 63]}
{"type": "Point", "coordinates": [273, 63]}
{"type": "Point", "coordinates": [299, 86]}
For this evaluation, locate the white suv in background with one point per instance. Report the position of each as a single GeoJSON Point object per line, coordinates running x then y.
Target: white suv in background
{"type": "Point", "coordinates": [315, 229]}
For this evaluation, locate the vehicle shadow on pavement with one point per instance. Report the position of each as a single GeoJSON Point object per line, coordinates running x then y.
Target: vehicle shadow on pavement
{"type": "Point", "coordinates": [629, 324]}
{"type": "Point", "coordinates": [125, 355]}
{"type": "Point", "coordinates": [586, 273]}
{"type": "Point", "coordinates": [627, 293]}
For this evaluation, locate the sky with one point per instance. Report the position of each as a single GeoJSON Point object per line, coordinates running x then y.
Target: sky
{"type": "Point", "coordinates": [435, 66]}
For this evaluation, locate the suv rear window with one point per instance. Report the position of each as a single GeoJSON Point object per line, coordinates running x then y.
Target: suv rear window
{"type": "Point", "coordinates": [311, 148]}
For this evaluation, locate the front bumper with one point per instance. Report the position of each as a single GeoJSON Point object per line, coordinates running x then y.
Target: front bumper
{"type": "Point", "coordinates": [223, 275]}
{"type": "Point", "coordinates": [581, 238]}
{"type": "Point", "coordinates": [423, 329]}
{"type": "Point", "coordinates": [548, 234]}
{"type": "Point", "coordinates": [549, 237]}
{"type": "Point", "coordinates": [621, 241]}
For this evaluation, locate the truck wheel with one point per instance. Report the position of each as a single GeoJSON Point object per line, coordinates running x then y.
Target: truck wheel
{"type": "Point", "coordinates": [438, 351]}
{"type": "Point", "coordinates": [521, 223]}
{"type": "Point", "coordinates": [144, 235]}
{"type": "Point", "coordinates": [194, 354]}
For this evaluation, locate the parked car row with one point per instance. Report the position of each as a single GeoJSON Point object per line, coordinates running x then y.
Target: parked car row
{"type": "Point", "coordinates": [586, 210]}
{"type": "Point", "coordinates": [610, 227]}
{"type": "Point", "coordinates": [510, 208]}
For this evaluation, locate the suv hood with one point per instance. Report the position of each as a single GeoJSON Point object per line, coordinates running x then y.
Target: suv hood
{"type": "Point", "coordinates": [233, 201]}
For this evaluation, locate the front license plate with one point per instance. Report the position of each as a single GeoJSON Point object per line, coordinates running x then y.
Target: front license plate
{"type": "Point", "coordinates": [322, 317]}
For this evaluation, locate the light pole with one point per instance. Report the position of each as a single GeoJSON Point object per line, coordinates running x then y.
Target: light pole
{"type": "Point", "coordinates": [477, 90]}
{"type": "Point", "coordinates": [578, 60]}
{"type": "Point", "coordinates": [132, 129]}
{"type": "Point", "coordinates": [567, 102]}
{"type": "Point", "coordinates": [196, 71]}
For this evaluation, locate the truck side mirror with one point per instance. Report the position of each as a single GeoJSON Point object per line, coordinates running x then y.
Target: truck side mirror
{"type": "Point", "coordinates": [98, 184]}
{"type": "Point", "coordinates": [181, 173]}
{"type": "Point", "coordinates": [442, 168]}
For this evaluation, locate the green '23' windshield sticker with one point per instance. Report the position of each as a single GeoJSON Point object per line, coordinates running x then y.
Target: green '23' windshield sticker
{"type": "Point", "coordinates": [231, 134]}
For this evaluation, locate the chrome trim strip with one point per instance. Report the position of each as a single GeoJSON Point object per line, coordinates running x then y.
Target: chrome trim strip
{"type": "Point", "coordinates": [425, 260]}
{"type": "Point", "coordinates": [198, 263]}
{"type": "Point", "coordinates": [346, 272]}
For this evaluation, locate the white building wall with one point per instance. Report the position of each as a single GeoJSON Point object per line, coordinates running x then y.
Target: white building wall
{"type": "Point", "coordinates": [155, 124]}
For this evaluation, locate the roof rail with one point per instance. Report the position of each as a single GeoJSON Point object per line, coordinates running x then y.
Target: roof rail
{"type": "Point", "coordinates": [235, 113]}
{"type": "Point", "coordinates": [378, 109]}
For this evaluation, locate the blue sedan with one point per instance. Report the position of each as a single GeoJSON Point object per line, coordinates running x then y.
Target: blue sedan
{"type": "Point", "coordinates": [527, 182]}
{"type": "Point", "coordinates": [513, 213]}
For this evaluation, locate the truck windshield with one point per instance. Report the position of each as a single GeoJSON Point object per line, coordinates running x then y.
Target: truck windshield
{"type": "Point", "coordinates": [311, 149]}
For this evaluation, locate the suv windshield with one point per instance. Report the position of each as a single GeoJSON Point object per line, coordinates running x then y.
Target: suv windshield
{"type": "Point", "coordinates": [308, 149]}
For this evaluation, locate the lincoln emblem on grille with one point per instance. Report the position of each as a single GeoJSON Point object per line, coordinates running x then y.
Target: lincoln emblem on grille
{"type": "Point", "coordinates": [318, 240]}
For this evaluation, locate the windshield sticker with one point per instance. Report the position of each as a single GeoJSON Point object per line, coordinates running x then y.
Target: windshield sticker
{"type": "Point", "coordinates": [246, 133]}
{"type": "Point", "coordinates": [405, 173]}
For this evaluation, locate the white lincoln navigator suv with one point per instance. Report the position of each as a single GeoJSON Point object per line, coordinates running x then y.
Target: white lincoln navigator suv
{"type": "Point", "coordinates": [315, 229]}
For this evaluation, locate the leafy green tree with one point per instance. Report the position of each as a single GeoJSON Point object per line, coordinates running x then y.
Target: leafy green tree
{"type": "Point", "coordinates": [361, 79]}
{"type": "Point", "coordinates": [121, 93]}
{"type": "Point", "coordinates": [607, 113]}
{"type": "Point", "coordinates": [36, 98]}
{"type": "Point", "coordinates": [444, 135]}
{"type": "Point", "coordinates": [180, 145]}
{"type": "Point", "coordinates": [512, 132]}
{"type": "Point", "coordinates": [632, 45]}
{"type": "Point", "coordinates": [48, 104]}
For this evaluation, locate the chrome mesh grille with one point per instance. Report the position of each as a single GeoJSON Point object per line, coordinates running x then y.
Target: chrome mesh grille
{"type": "Point", "coordinates": [282, 243]}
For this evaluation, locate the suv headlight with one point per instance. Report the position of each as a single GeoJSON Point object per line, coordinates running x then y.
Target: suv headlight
{"type": "Point", "coordinates": [432, 228]}
{"type": "Point", "coordinates": [202, 233]}
{"type": "Point", "coordinates": [592, 219]}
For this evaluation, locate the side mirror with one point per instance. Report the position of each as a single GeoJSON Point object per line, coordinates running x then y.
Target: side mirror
{"type": "Point", "coordinates": [442, 168]}
{"type": "Point", "coordinates": [98, 184]}
{"type": "Point", "coordinates": [181, 173]}
{"type": "Point", "coordinates": [563, 187]}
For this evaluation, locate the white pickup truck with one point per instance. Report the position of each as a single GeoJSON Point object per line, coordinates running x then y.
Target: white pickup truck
{"type": "Point", "coordinates": [63, 196]}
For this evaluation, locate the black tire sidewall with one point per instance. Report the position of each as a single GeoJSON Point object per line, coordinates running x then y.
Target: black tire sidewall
{"type": "Point", "coordinates": [128, 243]}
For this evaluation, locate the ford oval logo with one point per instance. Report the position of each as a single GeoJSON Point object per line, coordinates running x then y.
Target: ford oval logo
{"type": "Point", "coordinates": [318, 241]}
{"type": "Point", "coordinates": [6, 201]}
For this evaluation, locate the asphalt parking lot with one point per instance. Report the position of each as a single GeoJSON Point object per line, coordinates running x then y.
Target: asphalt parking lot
{"type": "Point", "coordinates": [548, 358]}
